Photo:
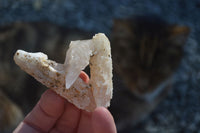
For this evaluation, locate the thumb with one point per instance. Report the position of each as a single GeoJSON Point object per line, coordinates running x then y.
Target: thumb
{"type": "Point", "coordinates": [102, 121]}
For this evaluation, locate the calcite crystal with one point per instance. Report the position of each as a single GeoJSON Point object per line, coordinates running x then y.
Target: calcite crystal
{"type": "Point", "coordinates": [64, 78]}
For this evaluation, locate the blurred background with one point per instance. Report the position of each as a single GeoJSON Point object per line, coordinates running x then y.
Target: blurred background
{"type": "Point", "coordinates": [179, 112]}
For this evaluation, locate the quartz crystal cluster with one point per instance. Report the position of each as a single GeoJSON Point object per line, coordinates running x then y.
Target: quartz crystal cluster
{"type": "Point", "coordinates": [64, 78]}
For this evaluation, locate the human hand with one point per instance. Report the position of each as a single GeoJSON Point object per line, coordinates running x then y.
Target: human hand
{"type": "Point", "coordinates": [55, 114]}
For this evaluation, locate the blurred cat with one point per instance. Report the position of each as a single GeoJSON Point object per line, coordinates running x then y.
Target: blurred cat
{"type": "Point", "coordinates": [146, 51]}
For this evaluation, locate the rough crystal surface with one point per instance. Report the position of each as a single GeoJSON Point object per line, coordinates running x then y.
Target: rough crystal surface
{"type": "Point", "coordinates": [64, 78]}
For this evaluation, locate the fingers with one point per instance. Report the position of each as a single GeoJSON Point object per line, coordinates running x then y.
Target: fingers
{"type": "Point", "coordinates": [71, 116]}
{"type": "Point", "coordinates": [84, 77]}
{"type": "Point", "coordinates": [102, 121]}
{"type": "Point", "coordinates": [85, 123]}
{"type": "Point", "coordinates": [53, 113]}
{"type": "Point", "coordinates": [46, 112]}
{"type": "Point", "coordinates": [69, 120]}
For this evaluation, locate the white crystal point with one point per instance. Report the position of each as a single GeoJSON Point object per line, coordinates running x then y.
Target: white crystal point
{"type": "Point", "coordinates": [77, 58]}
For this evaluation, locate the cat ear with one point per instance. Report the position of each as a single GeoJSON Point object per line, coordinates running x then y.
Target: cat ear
{"type": "Point", "coordinates": [179, 34]}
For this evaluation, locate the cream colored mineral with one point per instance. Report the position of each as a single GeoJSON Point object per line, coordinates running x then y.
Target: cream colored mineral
{"type": "Point", "coordinates": [64, 78]}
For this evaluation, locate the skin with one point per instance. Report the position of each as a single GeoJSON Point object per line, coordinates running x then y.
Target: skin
{"type": "Point", "coordinates": [55, 114]}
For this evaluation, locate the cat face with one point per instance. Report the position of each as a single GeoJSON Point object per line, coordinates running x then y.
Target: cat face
{"type": "Point", "coordinates": [146, 51]}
